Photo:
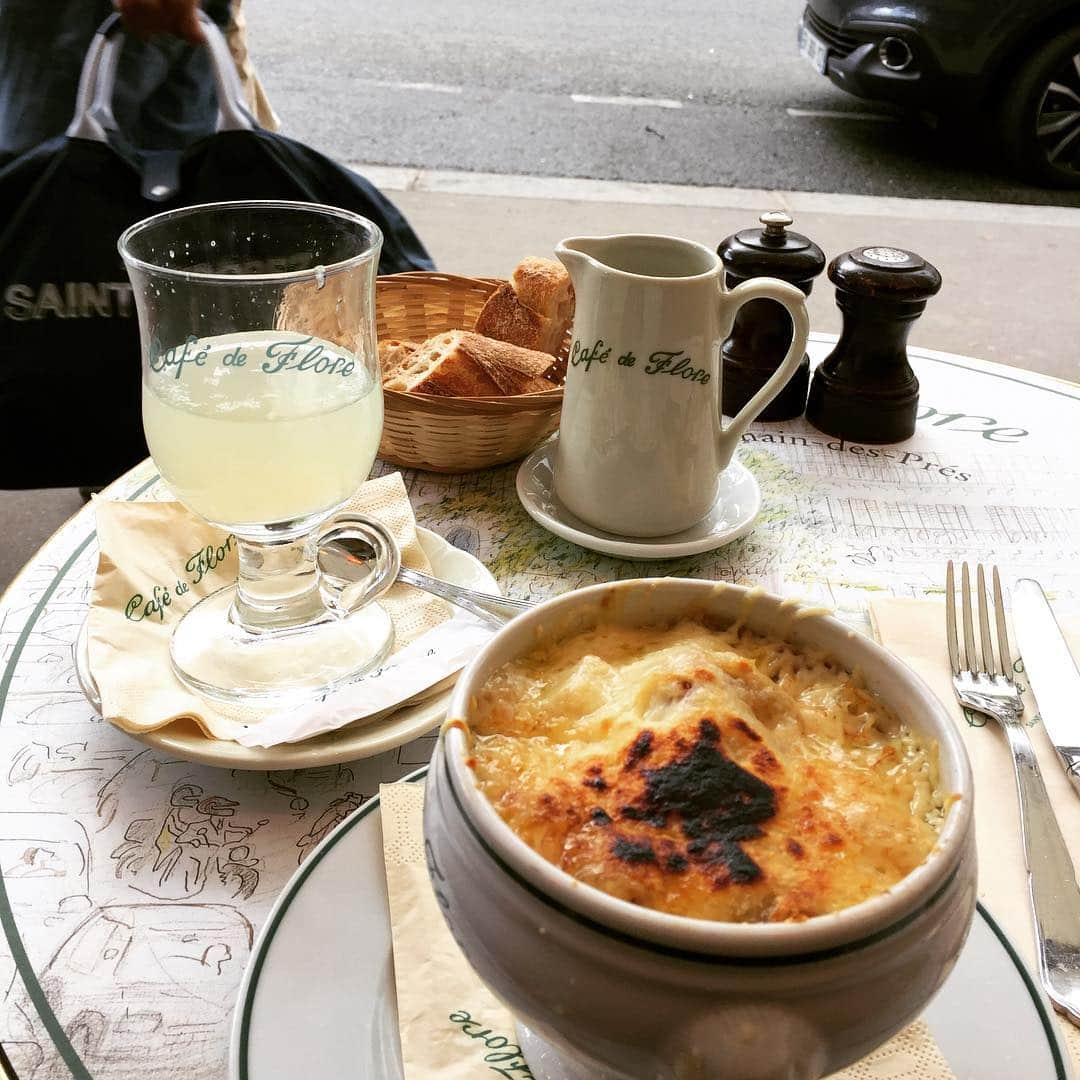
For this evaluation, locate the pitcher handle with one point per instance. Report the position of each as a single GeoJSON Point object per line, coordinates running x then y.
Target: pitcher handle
{"type": "Point", "coordinates": [762, 288]}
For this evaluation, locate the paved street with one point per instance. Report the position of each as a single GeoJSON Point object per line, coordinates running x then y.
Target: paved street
{"type": "Point", "coordinates": [548, 89]}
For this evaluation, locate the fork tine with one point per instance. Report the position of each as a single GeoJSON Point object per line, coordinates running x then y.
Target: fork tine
{"type": "Point", "coordinates": [984, 622]}
{"type": "Point", "coordinates": [1003, 636]}
{"type": "Point", "coordinates": [969, 634]}
{"type": "Point", "coordinates": [950, 618]}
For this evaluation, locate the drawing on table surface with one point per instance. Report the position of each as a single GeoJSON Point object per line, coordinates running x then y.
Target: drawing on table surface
{"type": "Point", "coordinates": [163, 977]}
{"type": "Point", "coordinates": [330, 818]}
{"type": "Point", "coordinates": [18, 1032]}
{"type": "Point", "coordinates": [45, 861]}
{"type": "Point", "coordinates": [242, 870]}
{"type": "Point", "coordinates": [46, 669]}
{"type": "Point", "coordinates": [298, 805]}
{"type": "Point", "coordinates": [464, 537]}
{"type": "Point", "coordinates": [69, 774]}
{"type": "Point", "coordinates": [20, 1040]}
{"type": "Point", "coordinates": [417, 752]}
{"type": "Point", "coordinates": [824, 501]}
{"type": "Point", "coordinates": [194, 841]}
{"type": "Point", "coordinates": [324, 778]}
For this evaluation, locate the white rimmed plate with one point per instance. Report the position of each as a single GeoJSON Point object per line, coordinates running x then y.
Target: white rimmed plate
{"type": "Point", "coordinates": [733, 514]}
{"type": "Point", "coordinates": [329, 932]}
{"type": "Point", "coordinates": [367, 737]}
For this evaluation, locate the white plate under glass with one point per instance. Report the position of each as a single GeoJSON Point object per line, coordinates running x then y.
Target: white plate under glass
{"type": "Point", "coordinates": [365, 738]}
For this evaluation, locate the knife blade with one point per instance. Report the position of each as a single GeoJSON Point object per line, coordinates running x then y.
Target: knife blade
{"type": "Point", "coordinates": [1051, 672]}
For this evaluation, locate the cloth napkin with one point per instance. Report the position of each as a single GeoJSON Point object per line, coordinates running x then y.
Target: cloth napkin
{"type": "Point", "coordinates": [444, 1008]}
{"type": "Point", "coordinates": [151, 552]}
{"type": "Point", "coordinates": [915, 631]}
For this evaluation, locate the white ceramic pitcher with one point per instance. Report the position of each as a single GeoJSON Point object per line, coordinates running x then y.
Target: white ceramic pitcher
{"type": "Point", "coordinates": [641, 443]}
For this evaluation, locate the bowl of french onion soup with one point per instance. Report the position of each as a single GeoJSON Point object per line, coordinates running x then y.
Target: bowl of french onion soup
{"type": "Point", "coordinates": [685, 829]}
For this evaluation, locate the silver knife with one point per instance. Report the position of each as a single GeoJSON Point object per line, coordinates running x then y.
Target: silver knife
{"type": "Point", "coordinates": [1051, 672]}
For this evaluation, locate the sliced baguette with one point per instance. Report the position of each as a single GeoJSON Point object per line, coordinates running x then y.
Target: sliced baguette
{"type": "Point", "coordinates": [392, 354]}
{"type": "Point", "coordinates": [462, 364]}
{"type": "Point", "coordinates": [515, 370]}
{"type": "Point", "coordinates": [544, 286]}
{"type": "Point", "coordinates": [533, 310]}
{"type": "Point", "coordinates": [440, 366]}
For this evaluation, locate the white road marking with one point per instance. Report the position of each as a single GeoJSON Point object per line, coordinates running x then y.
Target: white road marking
{"type": "Point", "coordinates": [841, 114]}
{"type": "Point", "coordinates": [432, 88]}
{"type": "Point", "coordinates": [655, 103]}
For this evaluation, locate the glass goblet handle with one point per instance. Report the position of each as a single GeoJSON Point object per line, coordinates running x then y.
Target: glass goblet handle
{"type": "Point", "coordinates": [358, 560]}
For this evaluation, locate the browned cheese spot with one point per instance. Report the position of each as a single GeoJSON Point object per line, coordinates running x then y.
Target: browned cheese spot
{"type": "Point", "coordinates": [633, 851]}
{"type": "Point", "coordinates": [716, 803]}
{"type": "Point", "coordinates": [594, 778]}
{"type": "Point", "coordinates": [764, 760]}
{"type": "Point", "coordinates": [639, 749]}
{"type": "Point", "coordinates": [741, 726]}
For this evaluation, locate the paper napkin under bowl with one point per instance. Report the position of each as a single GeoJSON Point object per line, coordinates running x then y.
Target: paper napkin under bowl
{"type": "Point", "coordinates": [441, 999]}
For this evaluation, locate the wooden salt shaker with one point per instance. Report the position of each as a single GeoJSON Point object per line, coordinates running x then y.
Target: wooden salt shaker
{"type": "Point", "coordinates": [865, 390]}
{"type": "Point", "coordinates": [762, 330]}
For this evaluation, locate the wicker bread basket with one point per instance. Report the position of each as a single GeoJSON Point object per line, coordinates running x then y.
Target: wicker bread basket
{"type": "Point", "coordinates": [443, 434]}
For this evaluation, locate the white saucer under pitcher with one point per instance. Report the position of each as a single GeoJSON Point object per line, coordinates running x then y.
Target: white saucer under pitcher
{"type": "Point", "coordinates": [737, 504]}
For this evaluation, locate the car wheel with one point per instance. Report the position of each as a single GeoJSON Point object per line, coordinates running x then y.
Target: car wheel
{"type": "Point", "coordinates": [1039, 112]}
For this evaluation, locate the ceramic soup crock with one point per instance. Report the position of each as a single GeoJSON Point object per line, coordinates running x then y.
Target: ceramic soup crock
{"type": "Point", "coordinates": [605, 990]}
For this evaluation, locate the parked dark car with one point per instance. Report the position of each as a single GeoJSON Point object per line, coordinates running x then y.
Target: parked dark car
{"type": "Point", "coordinates": [1013, 63]}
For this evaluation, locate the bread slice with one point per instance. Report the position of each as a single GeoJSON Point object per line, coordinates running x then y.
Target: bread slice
{"type": "Point", "coordinates": [392, 354]}
{"type": "Point", "coordinates": [505, 318]}
{"type": "Point", "coordinates": [515, 370]}
{"type": "Point", "coordinates": [442, 367]}
{"type": "Point", "coordinates": [533, 310]}
{"type": "Point", "coordinates": [544, 286]}
{"type": "Point", "coordinates": [462, 364]}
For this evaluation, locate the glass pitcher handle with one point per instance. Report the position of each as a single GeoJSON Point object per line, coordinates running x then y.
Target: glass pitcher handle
{"type": "Point", "coordinates": [349, 579]}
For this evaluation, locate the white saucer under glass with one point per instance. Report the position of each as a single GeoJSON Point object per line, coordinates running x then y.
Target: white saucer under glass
{"type": "Point", "coordinates": [373, 734]}
{"type": "Point", "coordinates": [733, 514]}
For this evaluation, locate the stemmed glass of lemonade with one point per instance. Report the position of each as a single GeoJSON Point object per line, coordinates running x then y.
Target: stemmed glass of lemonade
{"type": "Point", "coordinates": [262, 408]}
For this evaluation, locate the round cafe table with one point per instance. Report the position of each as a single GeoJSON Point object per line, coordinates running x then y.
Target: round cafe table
{"type": "Point", "coordinates": [117, 963]}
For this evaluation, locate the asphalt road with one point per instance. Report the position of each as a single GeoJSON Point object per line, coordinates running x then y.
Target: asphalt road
{"type": "Point", "coordinates": [549, 89]}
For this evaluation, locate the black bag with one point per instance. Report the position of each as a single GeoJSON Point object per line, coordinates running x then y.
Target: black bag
{"type": "Point", "coordinates": [69, 348]}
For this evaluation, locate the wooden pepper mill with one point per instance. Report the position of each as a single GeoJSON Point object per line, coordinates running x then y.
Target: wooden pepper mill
{"type": "Point", "coordinates": [865, 390]}
{"type": "Point", "coordinates": [762, 330]}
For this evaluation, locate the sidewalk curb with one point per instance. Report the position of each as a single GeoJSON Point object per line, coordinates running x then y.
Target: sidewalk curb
{"type": "Point", "coordinates": [498, 185]}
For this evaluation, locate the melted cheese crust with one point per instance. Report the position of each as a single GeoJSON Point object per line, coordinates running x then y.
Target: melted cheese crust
{"type": "Point", "coordinates": [714, 774]}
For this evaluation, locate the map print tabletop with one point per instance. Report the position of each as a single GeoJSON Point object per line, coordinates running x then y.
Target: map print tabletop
{"type": "Point", "coordinates": [133, 885]}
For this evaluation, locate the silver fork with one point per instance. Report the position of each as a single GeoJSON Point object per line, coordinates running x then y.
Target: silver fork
{"type": "Point", "coordinates": [988, 687]}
